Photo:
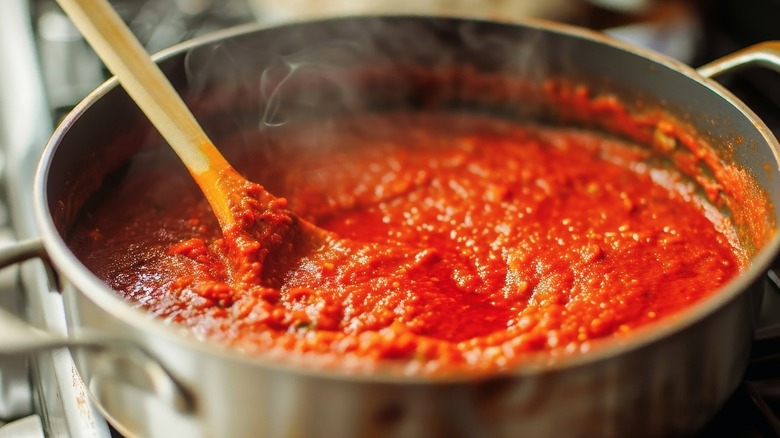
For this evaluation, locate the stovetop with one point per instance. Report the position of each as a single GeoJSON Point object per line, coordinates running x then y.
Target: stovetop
{"type": "Point", "coordinates": [54, 404]}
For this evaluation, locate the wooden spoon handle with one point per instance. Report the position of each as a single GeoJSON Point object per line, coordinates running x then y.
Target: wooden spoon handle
{"type": "Point", "coordinates": [146, 84]}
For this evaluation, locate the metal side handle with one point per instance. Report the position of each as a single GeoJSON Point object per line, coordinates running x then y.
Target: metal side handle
{"type": "Point", "coordinates": [766, 54]}
{"type": "Point", "coordinates": [116, 360]}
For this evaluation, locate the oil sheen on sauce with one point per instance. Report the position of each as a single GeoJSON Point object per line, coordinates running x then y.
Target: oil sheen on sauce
{"type": "Point", "coordinates": [473, 242]}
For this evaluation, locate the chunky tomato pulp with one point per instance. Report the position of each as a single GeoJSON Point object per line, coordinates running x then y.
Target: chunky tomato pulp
{"type": "Point", "coordinates": [461, 240]}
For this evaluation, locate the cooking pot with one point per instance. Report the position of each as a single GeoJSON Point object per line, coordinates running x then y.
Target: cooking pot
{"type": "Point", "coordinates": [153, 379]}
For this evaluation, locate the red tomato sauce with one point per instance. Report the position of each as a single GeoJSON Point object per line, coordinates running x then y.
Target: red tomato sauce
{"type": "Point", "coordinates": [457, 240]}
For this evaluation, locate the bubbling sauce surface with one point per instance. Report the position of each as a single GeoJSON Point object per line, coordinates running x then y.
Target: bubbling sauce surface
{"type": "Point", "coordinates": [463, 241]}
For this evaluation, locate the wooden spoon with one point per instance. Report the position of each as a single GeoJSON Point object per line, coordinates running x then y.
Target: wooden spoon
{"type": "Point", "coordinates": [253, 220]}
{"type": "Point", "coordinates": [146, 84]}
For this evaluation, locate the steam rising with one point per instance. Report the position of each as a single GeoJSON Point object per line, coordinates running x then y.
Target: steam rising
{"type": "Point", "coordinates": [355, 65]}
{"type": "Point", "coordinates": [322, 62]}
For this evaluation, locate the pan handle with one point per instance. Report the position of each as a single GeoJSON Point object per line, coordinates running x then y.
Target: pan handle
{"type": "Point", "coordinates": [116, 360]}
{"type": "Point", "coordinates": [766, 54]}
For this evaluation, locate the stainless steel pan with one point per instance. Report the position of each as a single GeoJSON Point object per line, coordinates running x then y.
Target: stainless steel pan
{"type": "Point", "coordinates": [152, 379]}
